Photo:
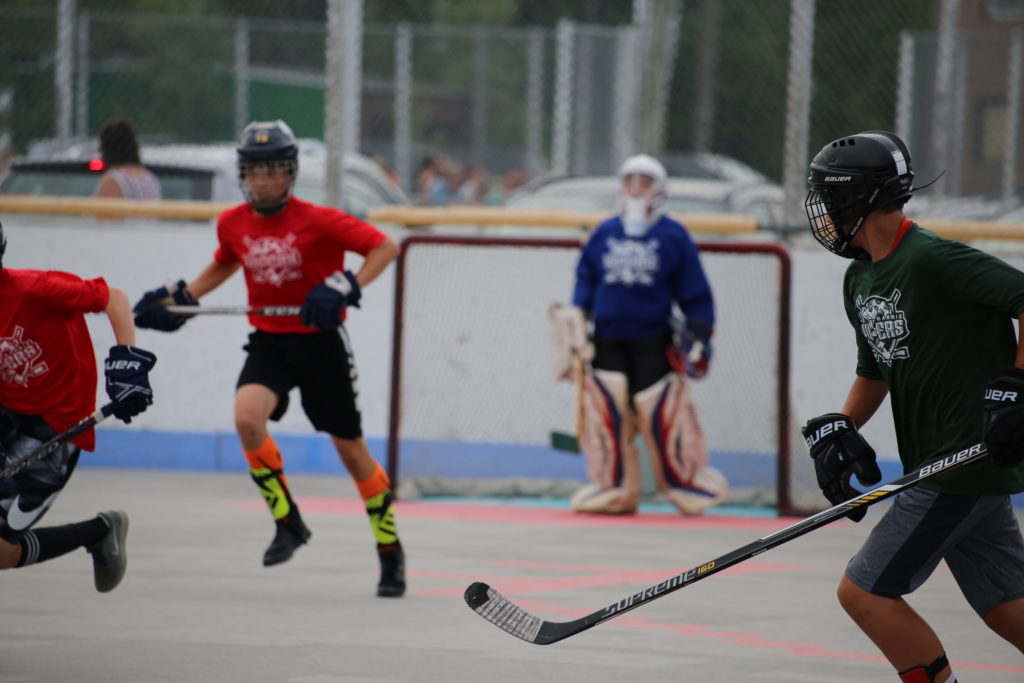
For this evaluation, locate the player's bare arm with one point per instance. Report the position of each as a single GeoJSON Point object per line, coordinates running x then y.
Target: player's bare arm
{"type": "Point", "coordinates": [212, 277]}
{"type": "Point", "coordinates": [864, 398]}
{"type": "Point", "coordinates": [119, 312]}
{"type": "Point", "coordinates": [377, 259]}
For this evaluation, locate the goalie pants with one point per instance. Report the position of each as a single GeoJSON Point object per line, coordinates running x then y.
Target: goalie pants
{"type": "Point", "coordinates": [977, 536]}
{"type": "Point", "coordinates": [643, 361]}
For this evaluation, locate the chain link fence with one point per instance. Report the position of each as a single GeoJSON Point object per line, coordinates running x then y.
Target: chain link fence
{"type": "Point", "coordinates": [765, 84]}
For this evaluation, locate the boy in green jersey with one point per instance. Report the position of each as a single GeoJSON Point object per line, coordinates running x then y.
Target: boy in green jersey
{"type": "Point", "coordinates": [933, 324]}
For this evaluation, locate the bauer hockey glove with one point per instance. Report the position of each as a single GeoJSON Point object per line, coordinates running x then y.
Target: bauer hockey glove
{"type": "Point", "coordinates": [1003, 403]}
{"type": "Point", "coordinates": [324, 304]}
{"type": "Point", "coordinates": [839, 451]}
{"type": "Point", "coordinates": [151, 310]}
{"type": "Point", "coordinates": [127, 371]}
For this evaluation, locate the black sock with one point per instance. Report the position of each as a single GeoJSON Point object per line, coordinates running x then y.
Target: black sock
{"type": "Point", "coordinates": [39, 545]}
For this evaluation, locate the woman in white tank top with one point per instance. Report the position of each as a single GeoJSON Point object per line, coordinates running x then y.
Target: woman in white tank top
{"type": "Point", "coordinates": [125, 176]}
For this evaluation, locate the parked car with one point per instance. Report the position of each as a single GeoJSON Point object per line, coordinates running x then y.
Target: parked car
{"type": "Point", "coordinates": [201, 172]}
{"type": "Point", "coordinates": [765, 202]}
{"type": "Point", "coordinates": [709, 166]}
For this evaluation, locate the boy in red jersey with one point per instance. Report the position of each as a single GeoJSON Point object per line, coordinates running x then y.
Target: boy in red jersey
{"type": "Point", "coordinates": [47, 384]}
{"type": "Point", "coordinates": [292, 252]}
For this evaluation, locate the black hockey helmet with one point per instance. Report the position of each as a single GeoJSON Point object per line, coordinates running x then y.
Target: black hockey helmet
{"type": "Point", "coordinates": [267, 142]}
{"type": "Point", "coordinates": [850, 178]}
{"type": "Point", "coordinates": [3, 245]}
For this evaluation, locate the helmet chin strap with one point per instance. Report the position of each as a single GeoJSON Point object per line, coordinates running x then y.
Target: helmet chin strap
{"type": "Point", "coordinates": [271, 208]}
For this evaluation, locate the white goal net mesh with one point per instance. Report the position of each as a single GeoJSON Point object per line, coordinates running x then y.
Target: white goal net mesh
{"type": "Point", "coordinates": [475, 403]}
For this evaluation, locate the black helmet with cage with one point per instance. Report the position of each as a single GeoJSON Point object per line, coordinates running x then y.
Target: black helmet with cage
{"type": "Point", "coordinates": [850, 178]}
{"type": "Point", "coordinates": [267, 143]}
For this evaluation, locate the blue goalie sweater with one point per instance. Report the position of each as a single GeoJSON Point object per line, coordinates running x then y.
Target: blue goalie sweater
{"type": "Point", "coordinates": [628, 284]}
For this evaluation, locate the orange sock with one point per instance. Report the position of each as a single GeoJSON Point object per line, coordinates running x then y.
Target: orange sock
{"type": "Point", "coordinates": [267, 456]}
{"type": "Point", "coordinates": [376, 493]}
{"type": "Point", "coordinates": [265, 466]}
{"type": "Point", "coordinates": [374, 485]}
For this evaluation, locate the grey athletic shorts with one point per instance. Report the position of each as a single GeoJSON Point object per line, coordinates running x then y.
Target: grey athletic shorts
{"type": "Point", "coordinates": [26, 497]}
{"type": "Point", "coordinates": [977, 536]}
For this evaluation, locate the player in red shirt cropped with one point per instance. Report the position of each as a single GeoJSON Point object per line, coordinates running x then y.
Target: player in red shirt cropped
{"type": "Point", "coordinates": [293, 253]}
{"type": "Point", "coordinates": [48, 383]}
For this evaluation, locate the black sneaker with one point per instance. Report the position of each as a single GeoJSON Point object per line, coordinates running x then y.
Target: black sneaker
{"type": "Point", "coordinates": [392, 572]}
{"type": "Point", "coordinates": [109, 559]}
{"type": "Point", "coordinates": [288, 537]}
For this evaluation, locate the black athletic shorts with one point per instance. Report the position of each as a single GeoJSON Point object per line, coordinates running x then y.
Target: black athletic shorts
{"type": "Point", "coordinates": [643, 361]}
{"type": "Point", "coordinates": [26, 497]}
{"type": "Point", "coordinates": [322, 368]}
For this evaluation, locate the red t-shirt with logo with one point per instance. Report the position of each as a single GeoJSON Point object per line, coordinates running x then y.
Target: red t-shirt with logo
{"type": "Point", "coordinates": [286, 255]}
{"type": "Point", "coordinates": [47, 363]}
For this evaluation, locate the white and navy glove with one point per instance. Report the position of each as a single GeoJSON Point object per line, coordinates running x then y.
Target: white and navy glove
{"type": "Point", "coordinates": [839, 451]}
{"type": "Point", "coordinates": [151, 310]}
{"type": "Point", "coordinates": [324, 304]}
{"type": "Point", "coordinates": [127, 371]}
{"type": "Point", "coordinates": [1003, 404]}
{"type": "Point", "coordinates": [691, 347]}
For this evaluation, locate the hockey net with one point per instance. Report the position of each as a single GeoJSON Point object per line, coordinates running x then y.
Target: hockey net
{"type": "Point", "coordinates": [474, 403]}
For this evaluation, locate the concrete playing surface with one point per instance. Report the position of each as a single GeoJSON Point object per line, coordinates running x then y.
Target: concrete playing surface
{"type": "Point", "coordinates": [196, 604]}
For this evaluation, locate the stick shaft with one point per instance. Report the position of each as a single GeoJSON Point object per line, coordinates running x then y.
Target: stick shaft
{"type": "Point", "coordinates": [504, 614]}
{"type": "Point", "coordinates": [50, 446]}
{"type": "Point", "coordinates": [234, 310]}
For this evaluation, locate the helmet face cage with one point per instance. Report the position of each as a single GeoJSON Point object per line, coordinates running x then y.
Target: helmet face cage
{"type": "Point", "coordinates": [850, 178]}
{"type": "Point", "coordinates": [272, 146]}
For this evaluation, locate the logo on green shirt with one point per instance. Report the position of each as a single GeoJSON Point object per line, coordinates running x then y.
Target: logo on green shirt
{"type": "Point", "coordinates": [884, 326]}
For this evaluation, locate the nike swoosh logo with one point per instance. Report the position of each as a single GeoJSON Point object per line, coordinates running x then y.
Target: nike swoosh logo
{"type": "Point", "coordinates": [19, 520]}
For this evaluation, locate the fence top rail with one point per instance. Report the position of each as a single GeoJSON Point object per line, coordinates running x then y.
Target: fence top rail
{"type": "Point", "coordinates": [479, 216]}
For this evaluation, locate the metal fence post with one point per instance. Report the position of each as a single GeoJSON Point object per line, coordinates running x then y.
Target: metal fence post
{"type": "Point", "coordinates": [905, 87]}
{"type": "Point", "coordinates": [1012, 122]}
{"type": "Point", "coordinates": [242, 74]}
{"type": "Point", "coordinates": [942, 103]}
{"type": "Point", "coordinates": [82, 87]}
{"type": "Point", "coordinates": [798, 105]}
{"type": "Point", "coordinates": [63, 72]}
{"type": "Point", "coordinates": [564, 67]}
{"type": "Point", "coordinates": [403, 105]}
{"type": "Point", "coordinates": [534, 100]}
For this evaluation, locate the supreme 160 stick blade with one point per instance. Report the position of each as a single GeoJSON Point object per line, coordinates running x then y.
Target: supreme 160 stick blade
{"type": "Point", "coordinates": [506, 615]}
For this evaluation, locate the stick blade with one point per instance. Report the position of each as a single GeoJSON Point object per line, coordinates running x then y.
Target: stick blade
{"type": "Point", "coordinates": [503, 613]}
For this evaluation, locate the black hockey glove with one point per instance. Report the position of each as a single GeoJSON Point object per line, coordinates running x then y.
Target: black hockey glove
{"type": "Point", "coordinates": [127, 370]}
{"type": "Point", "coordinates": [1004, 416]}
{"type": "Point", "coordinates": [151, 312]}
{"type": "Point", "coordinates": [324, 304]}
{"type": "Point", "coordinates": [839, 451]}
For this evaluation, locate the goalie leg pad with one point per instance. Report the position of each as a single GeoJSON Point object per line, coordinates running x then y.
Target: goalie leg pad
{"type": "Point", "coordinates": [612, 463]}
{"type": "Point", "coordinates": [668, 418]}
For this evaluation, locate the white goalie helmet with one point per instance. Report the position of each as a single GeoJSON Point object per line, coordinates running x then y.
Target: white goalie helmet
{"type": "Point", "coordinates": [641, 205]}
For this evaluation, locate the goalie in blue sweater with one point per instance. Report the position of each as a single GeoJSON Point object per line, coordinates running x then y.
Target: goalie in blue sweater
{"type": "Point", "coordinates": [636, 274]}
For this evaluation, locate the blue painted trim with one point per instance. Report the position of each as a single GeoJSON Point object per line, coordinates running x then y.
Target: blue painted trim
{"type": "Point", "coordinates": [315, 454]}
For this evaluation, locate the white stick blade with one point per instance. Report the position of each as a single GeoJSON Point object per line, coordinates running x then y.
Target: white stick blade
{"type": "Point", "coordinates": [503, 613]}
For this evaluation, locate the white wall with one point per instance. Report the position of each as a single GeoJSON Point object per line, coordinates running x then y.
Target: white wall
{"type": "Point", "coordinates": [198, 365]}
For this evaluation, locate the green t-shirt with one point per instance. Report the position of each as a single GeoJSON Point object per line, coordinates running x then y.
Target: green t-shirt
{"type": "Point", "coordinates": [934, 319]}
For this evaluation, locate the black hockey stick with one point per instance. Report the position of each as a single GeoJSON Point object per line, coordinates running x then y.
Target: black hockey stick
{"type": "Point", "coordinates": [233, 310]}
{"type": "Point", "coordinates": [53, 444]}
{"type": "Point", "coordinates": [506, 615]}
